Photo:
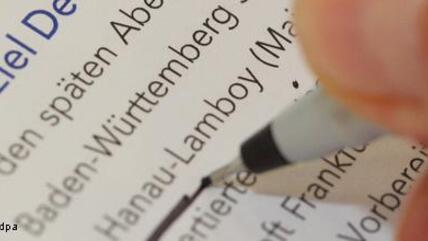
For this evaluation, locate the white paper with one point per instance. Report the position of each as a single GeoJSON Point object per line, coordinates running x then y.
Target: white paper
{"type": "Point", "coordinates": [57, 183]}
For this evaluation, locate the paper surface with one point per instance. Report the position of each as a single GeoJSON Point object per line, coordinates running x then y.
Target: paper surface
{"type": "Point", "coordinates": [112, 110]}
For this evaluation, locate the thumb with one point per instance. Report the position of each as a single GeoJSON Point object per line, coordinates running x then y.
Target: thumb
{"type": "Point", "coordinates": [372, 55]}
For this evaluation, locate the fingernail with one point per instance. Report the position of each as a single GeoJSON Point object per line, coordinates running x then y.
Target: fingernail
{"type": "Point", "coordinates": [370, 46]}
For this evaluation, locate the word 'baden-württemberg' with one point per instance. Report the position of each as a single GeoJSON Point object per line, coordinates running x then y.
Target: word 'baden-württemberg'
{"type": "Point", "coordinates": [43, 24]}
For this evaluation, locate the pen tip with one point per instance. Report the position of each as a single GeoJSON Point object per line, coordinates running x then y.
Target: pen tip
{"type": "Point", "coordinates": [206, 182]}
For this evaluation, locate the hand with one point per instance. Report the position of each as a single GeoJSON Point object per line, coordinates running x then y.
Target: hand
{"type": "Point", "coordinates": [373, 56]}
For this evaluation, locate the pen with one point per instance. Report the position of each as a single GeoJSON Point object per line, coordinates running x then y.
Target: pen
{"type": "Point", "coordinates": [315, 126]}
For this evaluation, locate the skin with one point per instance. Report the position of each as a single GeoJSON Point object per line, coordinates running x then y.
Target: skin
{"type": "Point", "coordinates": [373, 56]}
